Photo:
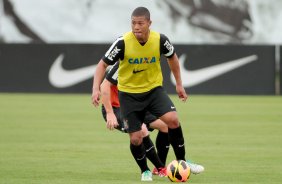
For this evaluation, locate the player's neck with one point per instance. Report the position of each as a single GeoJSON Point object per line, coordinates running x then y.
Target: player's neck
{"type": "Point", "coordinates": [143, 40]}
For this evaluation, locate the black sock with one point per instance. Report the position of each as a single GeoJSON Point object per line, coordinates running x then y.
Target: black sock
{"type": "Point", "coordinates": [139, 155]}
{"type": "Point", "coordinates": [151, 153]}
{"type": "Point", "coordinates": [177, 142]}
{"type": "Point", "coordinates": [162, 144]}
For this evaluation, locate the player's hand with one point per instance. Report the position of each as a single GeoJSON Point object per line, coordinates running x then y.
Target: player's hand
{"type": "Point", "coordinates": [181, 93]}
{"type": "Point", "coordinates": [96, 97]}
{"type": "Point", "coordinates": [111, 121]}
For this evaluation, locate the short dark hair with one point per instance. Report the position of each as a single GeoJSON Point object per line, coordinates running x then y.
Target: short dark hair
{"type": "Point", "coordinates": [141, 11]}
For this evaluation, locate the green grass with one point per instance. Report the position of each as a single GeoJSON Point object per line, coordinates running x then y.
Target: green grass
{"type": "Point", "coordinates": [62, 139]}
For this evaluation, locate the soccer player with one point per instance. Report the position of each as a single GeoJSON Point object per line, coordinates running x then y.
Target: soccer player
{"type": "Point", "coordinates": [140, 85]}
{"type": "Point", "coordinates": [111, 114]}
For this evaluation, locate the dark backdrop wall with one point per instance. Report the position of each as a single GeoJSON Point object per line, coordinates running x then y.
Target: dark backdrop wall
{"type": "Point", "coordinates": [69, 68]}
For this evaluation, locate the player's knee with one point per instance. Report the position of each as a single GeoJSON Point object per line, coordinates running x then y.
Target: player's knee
{"type": "Point", "coordinates": [163, 128]}
{"type": "Point", "coordinates": [171, 119]}
{"type": "Point", "coordinates": [136, 138]}
{"type": "Point", "coordinates": [135, 141]}
{"type": "Point", "coordinates": [173, 123]}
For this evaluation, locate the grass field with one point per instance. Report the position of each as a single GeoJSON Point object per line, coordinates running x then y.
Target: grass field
{"type": "Point", "coordinates": [62, 139]}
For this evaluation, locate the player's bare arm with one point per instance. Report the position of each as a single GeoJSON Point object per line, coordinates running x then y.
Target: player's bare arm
{"type": "Point", "coordinates": [175, 68]}
{"type": "Point", "coordinates": [98, 78]}
{"type": "Point", "coordinates": [106, 100]}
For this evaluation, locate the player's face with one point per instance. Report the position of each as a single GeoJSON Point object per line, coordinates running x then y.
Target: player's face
{"type": "Point", "coordinates": [140, 28]}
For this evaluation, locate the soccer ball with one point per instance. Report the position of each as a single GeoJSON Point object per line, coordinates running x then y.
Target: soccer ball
{"type": "Point", "coordinates": [178, 171]}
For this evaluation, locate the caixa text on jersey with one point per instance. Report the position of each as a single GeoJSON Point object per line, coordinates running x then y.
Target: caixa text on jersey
{"type": "Point", "coordinates": [144, 60]}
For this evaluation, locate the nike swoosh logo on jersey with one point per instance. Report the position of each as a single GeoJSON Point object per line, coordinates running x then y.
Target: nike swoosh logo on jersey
{"type": "Point", "coordinates": [194, 77]}
{"type": "Point", "coordinates": [62, 78]}
{"type": "Point", "coordinates": [137, 71]}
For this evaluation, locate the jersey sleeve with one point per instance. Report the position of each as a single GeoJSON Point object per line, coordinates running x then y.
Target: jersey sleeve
{"type": "Point", "coordinates": [115, 52]}
{"type": "Point", "coordinates": [112, 74]}
{"type": "Point", "coordinates": [166, 47]}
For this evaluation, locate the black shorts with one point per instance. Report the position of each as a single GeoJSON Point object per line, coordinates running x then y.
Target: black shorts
{"type": "Point", "coordinates": [149, 118]}
{"type": "Point", "coordinates": [135, 105]}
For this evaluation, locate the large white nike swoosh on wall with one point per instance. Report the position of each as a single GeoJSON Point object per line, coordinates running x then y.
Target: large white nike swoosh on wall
{"type": "Point", "coordinates": [195, 77]}
{"type": "Point", "coordinates": [61, 78]}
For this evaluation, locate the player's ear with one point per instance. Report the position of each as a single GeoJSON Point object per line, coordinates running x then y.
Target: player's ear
{"type": "Point", "coordinates": [150, 22]}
